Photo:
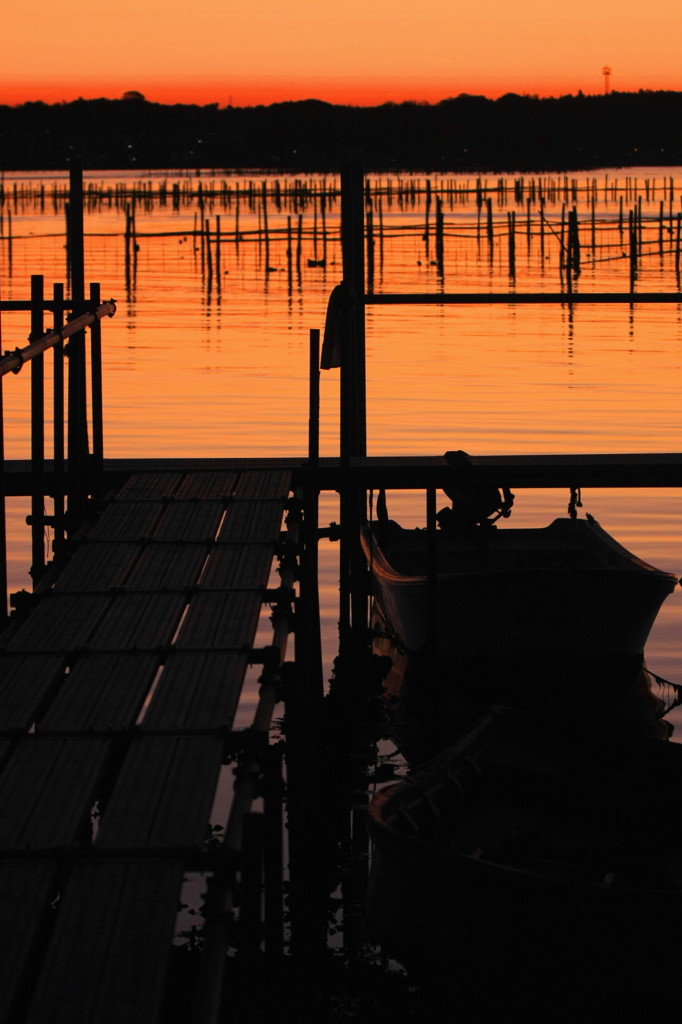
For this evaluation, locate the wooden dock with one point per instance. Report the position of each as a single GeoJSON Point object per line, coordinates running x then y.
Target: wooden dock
{"type": "Point", "coordinates": [118, 695]}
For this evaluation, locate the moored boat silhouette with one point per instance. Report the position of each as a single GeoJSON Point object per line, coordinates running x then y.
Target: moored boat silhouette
{"type": "Point", "coordinates": [526, 854]}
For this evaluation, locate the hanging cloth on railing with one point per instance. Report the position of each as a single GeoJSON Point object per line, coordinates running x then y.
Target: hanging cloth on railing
{"type": "Point", "coordinates": [334, 326]}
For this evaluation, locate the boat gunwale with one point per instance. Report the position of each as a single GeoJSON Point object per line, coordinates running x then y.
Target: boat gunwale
{"type": "Point", "coordinates": [411, 848]}
{"type": "Point", "coordinates": [633, 565]}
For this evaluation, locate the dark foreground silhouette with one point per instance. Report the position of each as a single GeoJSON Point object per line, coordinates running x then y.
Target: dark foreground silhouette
{"type": "Point", "coordinates": [466, 133]}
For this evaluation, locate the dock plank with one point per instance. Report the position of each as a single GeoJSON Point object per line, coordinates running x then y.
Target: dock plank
{"type": "Point", "coordinates": [27, 682]}
{"type": "Point", "coordinates": [264, 484]}
{"type": "Point", "coordinates": [27, 891]}
{"type": "Point", "coordinates": [237, 565]}
{"type": "Point", "coordinates": [108, 956]}
{"type": "Point", "coordinates": [220, 620]}
{"type": "Point", "coordinates": [102, 692]}
{"type": "Point", "coordinates": [102, 568]}
{"type": "Point", "coordinates": [251, 520]}
{"type": "Point", "coordinates": [47, 790]}
{"type": "Point", "coordinates": [157, 486]}
{"type": "Point", "coordinates": [126, 521]}
{"type": "Point", "coordinates": [197, 691]}
{"type": "Point", "coordinates": [164, 793]}
{"type": "Point", "coordinates": [139, 620]}
{"type": "Point", "coordinates": [208, 485]}
{"type": "Point", "coordinates": [161, 566]}
{"type": "Point", "coordinates": [189, 521]}
{"type": "Point", "coordinates": [59, 622]}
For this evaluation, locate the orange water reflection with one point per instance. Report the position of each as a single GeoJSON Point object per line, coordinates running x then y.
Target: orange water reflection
{"type": "Point", "coordinates": [208, 352]}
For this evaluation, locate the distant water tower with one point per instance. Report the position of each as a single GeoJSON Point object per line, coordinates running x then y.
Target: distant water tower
{"type": "Point", "coordinates": [606, 72]}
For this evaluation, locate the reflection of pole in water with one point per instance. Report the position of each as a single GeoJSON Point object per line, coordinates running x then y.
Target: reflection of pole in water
{"type": "Point", "coordinates": [289, 256]}
{"type": "Point", "coordinates": [381, 238]}
{"type": "Point", "coordinates": [266, 235]}
{"type": "Point", "coordinates": [323, 219]}
{"type": "Point", "coordinates": [209, 260]}
{"type": "Point", "coordinates": [9, 241]}
{"type": "Point", "coordinates": [426, 217]}
{"type": "Point", "coordinates": [491, 233]}
{"type": "Point", "coordinates": [440, 249]}
{"type": "Point", "coordinates": [511, 238]}
{"type": "Point", "coordinates": [299, 243]}
{"type": "Point", "coordinates": [217, 253]}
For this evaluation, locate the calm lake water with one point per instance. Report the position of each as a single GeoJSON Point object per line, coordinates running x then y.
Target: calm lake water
{"type": "Point", "coordinates": [208, 352]}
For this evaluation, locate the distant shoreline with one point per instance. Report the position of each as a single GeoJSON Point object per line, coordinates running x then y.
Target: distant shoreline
{"type": "Point", "coordinates": [464, 134]}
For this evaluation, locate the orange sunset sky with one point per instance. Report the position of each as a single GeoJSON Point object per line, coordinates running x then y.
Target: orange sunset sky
{"type": "Point", "coordinates": [362, 52]}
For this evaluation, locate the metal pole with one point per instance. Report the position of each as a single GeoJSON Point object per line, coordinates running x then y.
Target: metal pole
{"type": "Point", "coordinates": [37, 434]}
{"type": "Point", "coordinates": [353, 598]}
{"type": "Point", "coordinates": [58, 420]}
{"type": "Point", "coordinates": [314, 399]}
{"type": "Point", "coordinates": [77, 419]}
{"type": "Point", "coordinates": [353, 400]}
{"type": "Point", "coordinates": [96, 385]}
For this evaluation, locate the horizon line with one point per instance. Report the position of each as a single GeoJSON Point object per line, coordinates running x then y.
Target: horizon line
{"type": "Point", "coordinates": [132, 95]}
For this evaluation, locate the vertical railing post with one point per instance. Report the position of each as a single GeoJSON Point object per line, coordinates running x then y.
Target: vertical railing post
{"type": "Point", "coordinates": [352, 667]}
{"type": "Point", "coordinates": [353, 597]}
{"type": "Point", "coordinates": [304, 730]}
{"type": "Point", "coordinates": [58, 407]}
{"type": "Point", "coordinates": [353, 401]}
{"type": "Point", "coordinates": [96, 388]}
{"type": "Point", "coordinates": [77, 411]}
{"type": "Point", "coordinates": [37, 434]}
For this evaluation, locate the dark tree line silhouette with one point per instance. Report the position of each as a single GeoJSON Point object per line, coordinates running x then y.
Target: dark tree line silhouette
{"type": "Point", "coordinates": [466, 133]}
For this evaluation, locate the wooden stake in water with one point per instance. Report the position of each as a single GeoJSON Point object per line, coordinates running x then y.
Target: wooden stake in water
{"type": "Point", "coordinates": [209, 260]}
{"type": "Point", "coordinates": [266, 235]}
{"type": "Point", "coordinates": [440, 248]}
{"type": "Point", "coordinates": [593, 227]}
{"type": "Point", "coordinates": [491, 234]}
{"type": "Point", "coordinates": [217, 253]}
{"type": "Point", "coordinates": [289, 255]}
{"type": "Point", "coordinates": [299, 243]}
{"type": "Point", "coordinates": [632, 233]}
{"type": "Point", "coordinates": [511, 236]}
{"type": "Point", "coordinates": [381, 236]}
{"type": "Point", "coordinates": [323, 220]}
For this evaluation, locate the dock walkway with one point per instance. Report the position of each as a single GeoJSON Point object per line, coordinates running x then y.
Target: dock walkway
{"type": "Point", "coordinates": [118, 695]}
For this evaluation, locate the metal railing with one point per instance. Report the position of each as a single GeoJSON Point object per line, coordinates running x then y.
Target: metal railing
{"type": "Point", "coordinates": [70, 476]}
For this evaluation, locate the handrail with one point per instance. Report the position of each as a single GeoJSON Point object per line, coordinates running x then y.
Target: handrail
{"type": "Point", "coordinates": [568, 298]}
{"type": "Point", "coordinates": [12, 362]}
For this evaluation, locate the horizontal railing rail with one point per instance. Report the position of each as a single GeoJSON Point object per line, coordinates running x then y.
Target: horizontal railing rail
{"type": "Point", "coordinates": [12, 362]}
{"type": "Point", "coordinates": [512, 298]}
